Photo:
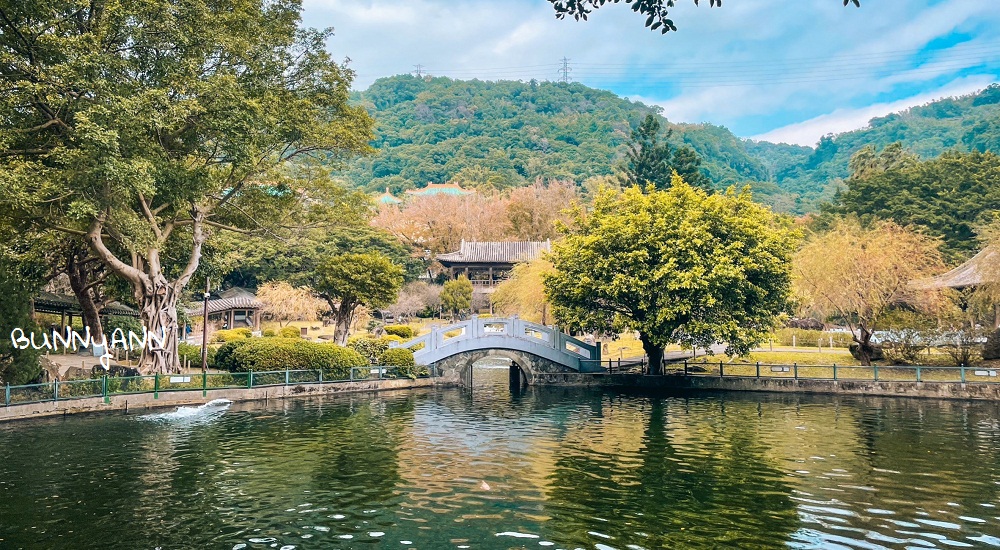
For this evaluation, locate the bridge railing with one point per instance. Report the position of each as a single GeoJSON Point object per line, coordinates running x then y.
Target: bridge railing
{"type": "Point", "coordinates": [512, 327]}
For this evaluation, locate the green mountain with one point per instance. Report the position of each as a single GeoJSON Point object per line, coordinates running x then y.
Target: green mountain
{"type": "Point", "coordinates": [967, 123]}
{"type": "Point", "coordinates": [506, 134]}
{"type": "Point", "coordinates": [503, 134]}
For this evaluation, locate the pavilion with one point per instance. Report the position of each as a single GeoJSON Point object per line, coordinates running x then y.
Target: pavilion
{"type": "Point", "coordinates": [487, 264]}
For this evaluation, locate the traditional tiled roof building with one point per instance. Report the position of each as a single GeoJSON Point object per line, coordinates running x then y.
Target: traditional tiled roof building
{"type": "Point", "coordinates": [487, 264]}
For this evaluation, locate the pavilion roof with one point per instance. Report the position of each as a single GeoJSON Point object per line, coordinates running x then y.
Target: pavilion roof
{"type": "Point", "coordinates": [438, 189]}
{"type": "Point", "coordinates": [979, 269]}
{"type": "Point", "coordinates": [51, 302]}
{"type": "Point", "coordinates": [509, 252]}
{"type": "Point", "coordinates": [233, 298]}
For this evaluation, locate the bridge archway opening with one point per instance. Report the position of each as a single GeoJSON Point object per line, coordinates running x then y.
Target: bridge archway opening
{"type": "Point", "coordinates": [495, 373]}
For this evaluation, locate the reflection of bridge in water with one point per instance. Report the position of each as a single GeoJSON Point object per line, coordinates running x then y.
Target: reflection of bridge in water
{"type": "Point", "coordinates": [535, 349]}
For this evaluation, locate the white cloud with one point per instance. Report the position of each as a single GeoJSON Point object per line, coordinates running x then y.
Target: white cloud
{"type": "Point", "coordinates": [843, 120]}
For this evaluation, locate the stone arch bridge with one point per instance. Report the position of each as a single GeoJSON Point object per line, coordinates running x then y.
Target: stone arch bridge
{"type": "Point", "coordinates": [536, 350]}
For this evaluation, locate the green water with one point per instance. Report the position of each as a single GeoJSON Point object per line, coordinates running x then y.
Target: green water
{"type": "Point", "coordinates": [565, 468]}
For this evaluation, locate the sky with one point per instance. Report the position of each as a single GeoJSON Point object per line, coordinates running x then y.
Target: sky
{"type": "Point", "coordinates": [781, 70]}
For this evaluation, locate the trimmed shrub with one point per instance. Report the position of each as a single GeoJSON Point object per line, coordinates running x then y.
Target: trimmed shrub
{"type": "Point", "coordinates": [403, 331]}
{"type": "Point", "coordinates": [289, 332]}
{"type": "Point", "coordinates": [372, 348]}
{"type": "Point", "coordinates": [192, 354]}
{"type": "Point", "coordinates": [273, 354]}
{"type": "Point", "coordinates": [231, 335]}
{"type": "Point", "coordinates": [270, 333]}
{"type": "Point", "coordinates": [397, 357]}
{"type": "Point", "coordinates": [224, 355]}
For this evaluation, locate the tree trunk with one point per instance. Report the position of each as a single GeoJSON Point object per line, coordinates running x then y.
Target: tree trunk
{"type": "Point", "coordinates": [865, 349]}
{"type": "Point", "coordinates": [81, 280]}
{"type": "Point", "coordinates": [654, 353]}
{"type": "Point", "coordinates": [158, 311]}
{"type": "Point", "coordinates": [341, 319]}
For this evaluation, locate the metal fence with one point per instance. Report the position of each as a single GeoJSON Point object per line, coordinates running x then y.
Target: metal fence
{"type": "Point", "coordinates": [873, 373]}
{"type": "Point", "coordinates": [106, 387]}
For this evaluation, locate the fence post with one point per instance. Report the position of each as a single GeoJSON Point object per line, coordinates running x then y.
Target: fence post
{"type": "Point", "coordinates": [758, 369]}
{"type": "Point", "coordinates": [6, 399]}
{"type": "Point", "coordinates": [104, 388]}
{"type": "Point", "coordinates": [918, 373]}
{"type": "Point", "coordinates": [795, 369]}
{"type": "Point", "coordinates": [249, 380]}
{"type": "Point", "coordinates": [204, 384]}
{"type": "Point", "coordinates": [685, 367]}
{"type": "Point", "coordinates": [286, 376]}
{"type": "Point", "coordinates": [875, 369]}
{"type": "Point", "coordinates": [55, 390]}
{"type": "Point", "coordinates": [834, 371]}
{"type": "Point", "coordinates": [320, 376]}
{"type": "Point", "coordinates": [352, 374]}
{"type": "Point", "coordinates": [961, 368]}
{"type": "Point", "coordinates": [722, 372]}
{"type": "Point", "coordinates": [156, 386]}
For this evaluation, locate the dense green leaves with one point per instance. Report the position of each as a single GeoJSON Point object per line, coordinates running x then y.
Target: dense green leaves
{"type": "Point", "coordinates": [650, 162]}
{"type": "Point", "coordinates": [351, 280]}
{"type": "Point", "coordinates": [456, 296]}
{"type": "Point", "coordinates": [679, 266]}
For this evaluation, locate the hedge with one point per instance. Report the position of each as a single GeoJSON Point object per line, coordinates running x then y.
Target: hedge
{"type": "Point", "coordinates": [403, 331]}
{"type": "Point", "coordinates": [397, 357]}
{"type": "Point", "coordinates": [231, 335]}
{"type": "Point", "coordinates": [272, 354]}
{"type": "Point", "coordinates": [289, 332]}
{"type": "Point", "coordinates": [193, 354]}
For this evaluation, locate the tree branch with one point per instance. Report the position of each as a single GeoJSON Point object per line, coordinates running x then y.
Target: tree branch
{"type": "Point", "coordinates": [96, 241]}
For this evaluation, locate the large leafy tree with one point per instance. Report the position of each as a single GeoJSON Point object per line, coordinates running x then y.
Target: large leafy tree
{"type": "Point", "coordinates": [656, 11]}
{"type": "Point", "coordinates": [456, 295]}
{"type": "Point", "coordinates": [857, 273]}
{"type": "Point", "coordinates": [678, 266]}
{"type": "Point", "coordinates": [650, 161]}
{"type": "Point", "coordinates": [352, 280]}
{"type": "Point", "coordinates": [136, 123]}
{"type": "Point", "coordinates": [947, 196]}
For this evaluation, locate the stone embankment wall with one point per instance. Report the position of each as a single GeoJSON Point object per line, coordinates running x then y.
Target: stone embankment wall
{"type": "Point", "coordinates": [939, 390]}
{"type": "Point", "coordinates": [146, 401]}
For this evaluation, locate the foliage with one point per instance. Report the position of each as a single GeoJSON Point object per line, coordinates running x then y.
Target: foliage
{"type": "Point", "coordinates": [905, 335]}
{"type": "Point", "coordinates": [357, 279]}
{"type": "Point", "coordinates": [651, 162]}
{"type": "Point", "coordinates": [270, 354]}
{"type": "Point", "coordinates": [811, 338]}
{"type": "Point", "coordinates": [991, 350]}
{"type": "Point", "coordinates": [523, 293]}
{"type": "Point", "coordinates": [19, 280]}
{"type": "Point", "coordinates": [403, 331]}
{"type": "Point", "coordinates": [856, 273]}
{"type": "Point", "coordinates": [289, 332]}
{"type": "Point", "coordinates": [231, 335]}
{"type": "Point", "coordinates": [456, 296]}
{"type": "Point", "coordinates": [417, 298]}
{"type": "Point", "coordinates": [141, 125]}
{"type": "Point", "coordinates": [946, 197]}
{"type": "Point", "coordinates": [284, 302]}
{"type": "Point", "coordinates": [397, 357]}
{"type": "Point", "coordinates": [678, 266]}
{"type": "Point", "coordinates": [438, 129]}
{"type": "Point", "coordinates": [964, 346]}
{"type": "Point", "coordinates": [372, 348]}
{"type": "Point", "coordinates": [224, 354]}
{"type": "Point", "coordinates": [269, 333]}
{"type": "Point", "coordinates": [192, 354]}
{"type": "Point", "coordinates": [122, 322]}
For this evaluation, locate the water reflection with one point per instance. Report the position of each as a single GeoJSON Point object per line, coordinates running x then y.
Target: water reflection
{"type": "Point", "coordinates": [490, 468]}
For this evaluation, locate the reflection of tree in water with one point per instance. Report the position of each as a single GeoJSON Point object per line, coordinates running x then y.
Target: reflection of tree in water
{"type": "Point", "coordinates": [716, 489]}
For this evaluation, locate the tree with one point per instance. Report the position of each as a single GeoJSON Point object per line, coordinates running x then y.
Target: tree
{"type": "Point", "coordinates": [361, 279]}
{"type": "Point", "coordinates": [946, 197]}
{"type": "Point", "coordinates": [524, 292]}
{"type": "Point", "coordinates": [440, 222]}
{"type": "Point", "coordinates": [415, 298]}
{"type": "Point", "coordinates": [654, 10]}
{"type": "Point", "coordinates": [21, 275]}
{"type": "Point", "coordinates": [857, 273]}
{"type": "Point", "coordinates": [135, 124]}
{"type": "Point", "coordinates": [534, 210]}
{"type": "Point", "coordinates": [652, 162]}
{"type": "Point", "coordinates": [284, 302]}
{"type": "Point", "coordinates": [678, 266]}
{"type": "Point", "coordinates": [456, 296]}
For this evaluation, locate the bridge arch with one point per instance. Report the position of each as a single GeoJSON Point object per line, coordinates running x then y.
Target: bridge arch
{"type": "Point", "coordinates": [537, 349]}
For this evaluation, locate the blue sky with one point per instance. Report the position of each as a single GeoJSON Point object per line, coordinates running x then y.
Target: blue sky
{"type": "Point", "coordinates": [783, 70]}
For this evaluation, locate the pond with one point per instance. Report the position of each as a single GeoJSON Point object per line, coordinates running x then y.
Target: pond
{"type": "Point", "coordinates": [488, 468]}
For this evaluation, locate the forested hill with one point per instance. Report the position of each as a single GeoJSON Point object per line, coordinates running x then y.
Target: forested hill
{"type": "Point", "coordinates": [965, 123]}
{"type": "Point", "coordinates": [507, 133]}
{"type": "Point", "coordinates": [503, 134]}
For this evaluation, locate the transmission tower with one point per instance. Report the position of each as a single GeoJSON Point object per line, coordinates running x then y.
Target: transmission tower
{"type": "Point", "coordinates": [565, 69]}
{"type": "Point", "coordinates": [419, 72]}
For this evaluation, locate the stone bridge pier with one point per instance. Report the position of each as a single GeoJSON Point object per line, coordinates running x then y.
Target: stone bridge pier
{"type": "Point", "coordinates": [457, 369]}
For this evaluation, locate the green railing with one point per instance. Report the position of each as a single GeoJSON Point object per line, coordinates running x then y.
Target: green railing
{"type": "Point", "coordinates": [873, 373]}
{"type": "Point", "coordinates": [106, 387]}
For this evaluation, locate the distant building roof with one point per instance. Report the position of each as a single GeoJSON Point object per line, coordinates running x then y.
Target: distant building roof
{"type": "Point", "coordinates": [50, 302]}
{"type": "Point", "coordinates": [979, 269]}
{"type": "Point", "coordinates": [439, 189]}
{"type": "Point", "coordinates": [495, 252]}
{"type": "Point", "coordinates": [233, 298]}
{"type": "Point", "coordinates": [387, 198]}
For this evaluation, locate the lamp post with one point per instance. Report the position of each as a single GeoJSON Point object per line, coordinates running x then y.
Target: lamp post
{"type": "Point", "coordinates": [204, 330]}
